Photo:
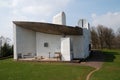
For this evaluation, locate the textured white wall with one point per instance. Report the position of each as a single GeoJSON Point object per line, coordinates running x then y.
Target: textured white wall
{"type": "Point", "coordinates": [86, 38]}
{"type": "Point", "coordinates": [77, 42]}
{"type": "Point", "coordinates": [65, 49]}
{"type": "Point", "coordinates": [86, 41]}
{"type": "Point", "coordinates": [54, 44]}
{"type": "Point", "coordinates": [25, 41]}
{"type": "Point", "coordinates": [15, 41]}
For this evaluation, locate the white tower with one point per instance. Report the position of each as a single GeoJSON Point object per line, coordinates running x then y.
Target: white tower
{"type": "Point", "coordinates": [86, 36]}
{"type": "Point", "coordinates": [83, 23]}
{"type": "Point", "coordinates": [60, 19]}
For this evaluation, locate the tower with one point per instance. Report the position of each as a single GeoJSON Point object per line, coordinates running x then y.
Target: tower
{"type": "Point", "coordinates": [86, 38]}
{"type": "Point", "coordinates": [83, 23]}
{"type": "Point", "coordinates": [60, 19]}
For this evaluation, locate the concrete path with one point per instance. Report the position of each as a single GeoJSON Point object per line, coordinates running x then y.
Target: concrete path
{"type": "Point", "coordinates": [96, 60]}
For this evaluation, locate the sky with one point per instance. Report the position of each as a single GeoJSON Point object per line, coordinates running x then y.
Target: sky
{"type": "Point", "coordinates": [104, 12]}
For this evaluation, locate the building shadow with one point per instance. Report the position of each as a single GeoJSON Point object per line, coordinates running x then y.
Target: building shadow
{"type": "Point", "coordinates": [99, 56]}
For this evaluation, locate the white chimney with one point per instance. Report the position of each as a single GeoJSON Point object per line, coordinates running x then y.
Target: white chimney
{"type": "Point", "coordinates": [60, 19]}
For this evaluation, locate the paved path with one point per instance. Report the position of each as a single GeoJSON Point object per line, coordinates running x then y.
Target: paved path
{"type": "Point", "coordinates": [96, 60]}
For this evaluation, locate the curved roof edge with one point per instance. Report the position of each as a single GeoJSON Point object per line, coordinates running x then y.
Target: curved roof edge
{"type": "Point", "coordinates": [49, 28]}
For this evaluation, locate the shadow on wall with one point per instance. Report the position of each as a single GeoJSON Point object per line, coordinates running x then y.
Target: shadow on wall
{"type": "Point", "coordinates": [99, 56]}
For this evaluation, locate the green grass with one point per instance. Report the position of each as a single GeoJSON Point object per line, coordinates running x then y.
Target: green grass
{"type": "Point", "coordinates": [111, 67]}
{"type": "Point", "coordinates": [12, 70]}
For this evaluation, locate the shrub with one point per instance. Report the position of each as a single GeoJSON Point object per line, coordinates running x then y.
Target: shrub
{"type": "Point", "coordinates": [6, 50]}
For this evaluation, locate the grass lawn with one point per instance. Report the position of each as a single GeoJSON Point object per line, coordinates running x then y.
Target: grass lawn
{"type": "Point", "coordinates": [12, 70]}
{"type": "Point", "coordinates": [111, 67]}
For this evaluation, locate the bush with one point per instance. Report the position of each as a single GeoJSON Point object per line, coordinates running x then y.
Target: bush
{"type": "Point", "coordinates": [6, 50]}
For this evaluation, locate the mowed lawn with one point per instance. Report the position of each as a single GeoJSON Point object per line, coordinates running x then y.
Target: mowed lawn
{"type": "Point", "coordinates": [12, 70]}
{"type": "Point", "coordinates": [111, 67]}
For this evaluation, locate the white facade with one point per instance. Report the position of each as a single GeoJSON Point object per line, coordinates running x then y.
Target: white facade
{"type": "Point", "coordinates": [54, 44]}
{"type": "Point", "coordinates": [86, 36]}
{"type": "Point", "coordinates": [27, 41]}
{"type": "Point", "coordinates": [43, 44]}
{"type": "Point", "coordinates": [24, 41]}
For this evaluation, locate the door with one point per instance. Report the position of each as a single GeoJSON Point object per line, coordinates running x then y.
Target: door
{"type": "Point", "coordinates": [65, 49]}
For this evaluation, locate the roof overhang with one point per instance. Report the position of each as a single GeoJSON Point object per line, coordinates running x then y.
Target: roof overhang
{"type": "Point", "coordinates": [49, 28]}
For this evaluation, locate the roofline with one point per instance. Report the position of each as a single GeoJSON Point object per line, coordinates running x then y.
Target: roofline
{"type": "Point", "coordinates": [49, 28]}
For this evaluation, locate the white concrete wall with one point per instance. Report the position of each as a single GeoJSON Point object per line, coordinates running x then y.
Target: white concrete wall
{"type": "Point", "coordinates": [60, 19]}
{"type": "Point", "coordinates": [27, 41]}
{"type": "Point", "coordinates": [81, 45]}
{"type": "Point", "coordinates": [15, 41]}
{"type": "Point", "coordinates": [77, 42]}
{"type": "Point", "coordinates": [24, 41]}
{"type": "Point", "coordinates": [86, 38]}
{"type": "Point", "coordinates": [65, 49]}
{"type": "Point", "coordinates": [54, 44]}
{"type": "Point", "coordinates": [78, 45]}
{"type": "Point", "coordinates": [86, 42]}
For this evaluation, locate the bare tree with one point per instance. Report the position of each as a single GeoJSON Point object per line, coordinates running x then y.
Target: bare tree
{"type": "Point", "coordinates": [104, 37]}
{"type": "Point", "coordinates": [119, 30]}
{"type": "Point", "coordinates": [108, 37]}
{"type": "Point", "coordinates": [117, 39]}
{"type": "Point", "coordinates": [94, 38]}
{"type": "Point", "coordinates": [2, 41]}
{"type": "Point", "coordinates": [100, 31]}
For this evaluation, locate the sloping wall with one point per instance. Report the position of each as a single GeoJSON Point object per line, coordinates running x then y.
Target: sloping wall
{"type": "Point", "coordinates": [25, 41]}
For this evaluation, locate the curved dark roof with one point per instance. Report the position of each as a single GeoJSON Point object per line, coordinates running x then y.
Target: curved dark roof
{"type": "Point", "coordinates": [50, 28]}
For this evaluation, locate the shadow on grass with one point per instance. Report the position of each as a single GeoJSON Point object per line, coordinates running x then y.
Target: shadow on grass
{"type": "Point", "coordinates": [102, 56]}
{"type": "Point", "coordinates": [109, 56]}
{"type": "Point", "coordinates": [8, 57]}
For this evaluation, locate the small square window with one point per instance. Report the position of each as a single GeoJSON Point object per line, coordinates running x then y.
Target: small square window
{"type": "Point", "coordinates": [45, 44]}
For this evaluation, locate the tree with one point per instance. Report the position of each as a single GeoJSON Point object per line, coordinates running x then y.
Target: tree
{"type": "Point", "coordinates": [100, 31]}
{"type": "Point", "coordinates": [94, 38]}
{"type": "Point", "coordinates": [108, 37]}
{"type": "Point", "coordinates": [119, 31]}
{"type": "Point", "coordinates": [6, 50]}
{"type": "Point", "coordinates": [102, 37]}
{"type": "Point", "coordinates": [2, 40]}
{"type": "Point", "coordinates": [117, 39]}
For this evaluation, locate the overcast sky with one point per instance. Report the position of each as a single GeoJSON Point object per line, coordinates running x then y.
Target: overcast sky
{"type": "Point", "coordinates": [105, 12]}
